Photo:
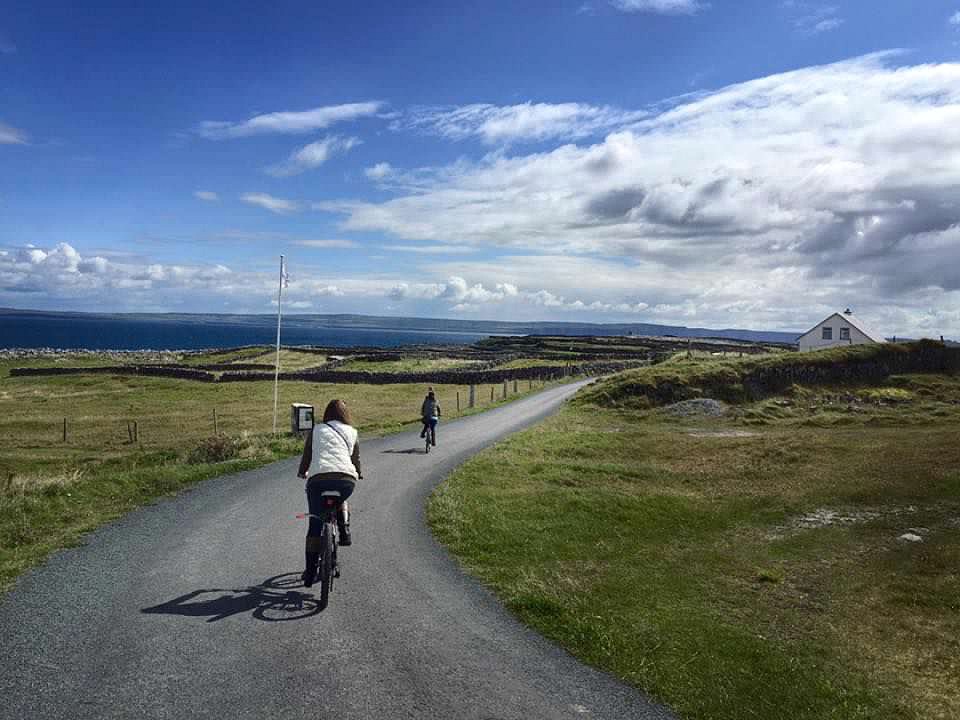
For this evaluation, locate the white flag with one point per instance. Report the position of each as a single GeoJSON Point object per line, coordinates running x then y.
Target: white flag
{"type": "Point", "coordinates": [284, 275]}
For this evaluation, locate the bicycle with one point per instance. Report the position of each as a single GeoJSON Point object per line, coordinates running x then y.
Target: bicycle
{"type": "Point", "coordinates": [430, 433]}
{"type": "Point", "coordinates": [328, 569]}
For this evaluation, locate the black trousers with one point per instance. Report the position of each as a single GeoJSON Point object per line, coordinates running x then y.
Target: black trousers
{"type": "Point", "coordinates": [316, 486]}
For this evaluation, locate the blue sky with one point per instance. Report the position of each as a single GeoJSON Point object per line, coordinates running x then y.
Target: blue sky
{"type": "Point", "coordinates": [750, 164]}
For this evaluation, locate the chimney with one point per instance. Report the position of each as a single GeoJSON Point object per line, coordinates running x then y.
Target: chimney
{"type": "Point", "coordinates": [848, 311]}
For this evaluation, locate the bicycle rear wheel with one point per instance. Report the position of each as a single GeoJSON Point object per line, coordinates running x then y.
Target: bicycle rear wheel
{"type": "Point", "coordinates": [327, 564]}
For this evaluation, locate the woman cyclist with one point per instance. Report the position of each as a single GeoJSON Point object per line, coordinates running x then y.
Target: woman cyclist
{"type": "Point", "coordinates": [330, 461]}
{"type": "Point", "coordinates": [430, 416]}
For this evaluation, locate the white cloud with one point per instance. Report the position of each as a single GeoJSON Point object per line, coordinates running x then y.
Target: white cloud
{"type": "Point", "coordinates": [288, 122]}
{"type": "Point", "coordinates": [326, 244]}
{"type": "Point", "coordinates": [271, 203]}
{"type": "Point", "coordinates": [431, 249]}
{"type": "Point", "coordinates": [378, 172]}
{"type": "Point", "coordinates": [206, 195]}
{"type": "Point", "coordinates": [62, 272]}
{"type": "Point", "coordinates": [12, 136]}
{"type": "Point", "coordinates": [827, 25]}
{"type": "Point", "coordinates": [663, 7]}
{"type": "Point", "coordinates": [528, 122]}
{"type": "Point", "coordinates": [955, 18]}
{"type": "Point", "coordinates": [838, 181]}
{"type": "Point", "coordinates": [312, 156]}
{"type": "Point", "coordinates": [813, 18]}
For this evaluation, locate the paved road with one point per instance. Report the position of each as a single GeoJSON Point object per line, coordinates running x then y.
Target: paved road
{"type": "Point", "coordinates": [193, 608]}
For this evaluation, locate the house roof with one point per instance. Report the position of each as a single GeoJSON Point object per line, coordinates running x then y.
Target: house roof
{"type": "Point", "coordinates": [851, 320]}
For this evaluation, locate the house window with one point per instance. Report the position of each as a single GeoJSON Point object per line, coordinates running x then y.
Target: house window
{"type": "Point", "coordinates": [844, 333]}
{"type": "Point", "coordinates": [828, 333]}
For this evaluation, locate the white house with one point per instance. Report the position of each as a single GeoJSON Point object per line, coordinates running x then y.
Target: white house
{"type": "Point", "coordinates": [838, 329]}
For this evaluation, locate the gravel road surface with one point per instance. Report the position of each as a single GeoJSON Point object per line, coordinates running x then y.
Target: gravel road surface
{"type": "Point", "coordinates": [193, 608]}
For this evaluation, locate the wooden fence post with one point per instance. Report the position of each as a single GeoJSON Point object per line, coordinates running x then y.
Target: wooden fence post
{"type": "Point", "coordinates": [491, 393]}
{"type": "Point", "coordinates": [216, 426]}
{"type": "Point", "coordinates": [136, 431]}
{"type": "Point", "coordinates": [504, 389]}
{"type": "Point", "coordinates": [64, 429]}
{"type": "Point", "coordinates": [473, 395]}
{"type": "Point", "coordinates": [458, 402]}
{"type": "Point", "coordinates": [514, 385]}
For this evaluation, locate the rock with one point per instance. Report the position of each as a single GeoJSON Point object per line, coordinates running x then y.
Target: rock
{"type": "Point", "coordinates": [910, 537]}
{"type": "Point", "coordinates": [700, 406]}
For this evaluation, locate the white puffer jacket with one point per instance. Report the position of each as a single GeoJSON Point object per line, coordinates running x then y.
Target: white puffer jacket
{"type": "Point", "coordinates": [333, 445]}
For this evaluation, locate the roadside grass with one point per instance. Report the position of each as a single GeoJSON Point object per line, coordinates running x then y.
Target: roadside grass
{"type": "Point", "coordinates": [735, 567]}
{"type": "Point", "coordinates": [51, 491]}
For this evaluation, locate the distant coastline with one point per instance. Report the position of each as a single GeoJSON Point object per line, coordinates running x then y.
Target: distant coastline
{"type": "Point", "coordinates": [183, 331]}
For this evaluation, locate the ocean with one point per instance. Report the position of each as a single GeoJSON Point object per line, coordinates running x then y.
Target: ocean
{"type": "Point", "coordinates": [116, 332]}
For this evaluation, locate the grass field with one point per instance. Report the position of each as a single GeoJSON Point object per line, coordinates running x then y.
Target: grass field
{"type": "Point", "coordinates": [52, 491]}
{"type": "Point", "coordinates": [745, 566]}
{"type": "Point", "coordinates": [406, 365]}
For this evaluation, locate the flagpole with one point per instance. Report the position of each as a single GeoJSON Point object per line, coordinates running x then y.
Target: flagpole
{"type": "Point", "coordinates": [276, 370]}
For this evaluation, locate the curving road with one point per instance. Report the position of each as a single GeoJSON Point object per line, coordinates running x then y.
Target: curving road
{"type": "Point", "coordinates": [192, 608]}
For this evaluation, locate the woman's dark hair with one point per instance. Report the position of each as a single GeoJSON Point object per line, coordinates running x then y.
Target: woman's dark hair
{"type": "Point", "coordinates": [337, 410]}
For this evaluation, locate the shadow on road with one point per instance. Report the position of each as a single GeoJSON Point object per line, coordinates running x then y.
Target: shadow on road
{"type": "Point", "coordinates": [273, 600]}
{"type": "Point", "coordinates": [409, 451]}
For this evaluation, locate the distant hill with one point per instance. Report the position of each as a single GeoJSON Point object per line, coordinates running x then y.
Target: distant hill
{"type": "Point", "coordinates": [485, 327]}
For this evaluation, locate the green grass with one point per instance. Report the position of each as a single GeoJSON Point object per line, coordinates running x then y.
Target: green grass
{"type": "Point", "coordinates": [674, 552]}
{"type": "Point", "coordinates": [291, 359]}
{"type": "Point", "coordinates": [725, 377]}
{"type": "Point", "coordinates": [406, 365]}
{"type": "Point", "coordinates": [99, 474]}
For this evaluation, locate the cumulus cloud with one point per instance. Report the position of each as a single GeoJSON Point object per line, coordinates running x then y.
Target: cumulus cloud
{"type": "Point", "coordinates": [840, 180]}
{"type": "Point", "coordinates": [663, 7]}
{"type": "Point", "coordinates": [312, 156]}
{"type": "Point", "coordinates": [527, 122]}
{"type": "Point", "coordinates": [271, 203]}
{"type": "Point", "coordinates": [288, 122]}
{"type": "Point", "coordinates": [463, 296]}
{"type": "Point", "coordinates": [955, 19]}
{"type": "Point", "coordinates": [12, 136]}
{"type": "Point", "coordinates": [206, 195]}
{"type": "Point", "coordinates": [63, 271]}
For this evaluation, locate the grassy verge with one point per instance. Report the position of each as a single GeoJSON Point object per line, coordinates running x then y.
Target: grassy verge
{"type": "Point", "coordinates": [52, 492]}
{"type": "Point", "coordinates": [750, 565]}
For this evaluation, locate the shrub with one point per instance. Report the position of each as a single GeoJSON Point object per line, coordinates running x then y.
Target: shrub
{"type": "Point", "coordinates": [218, 448]}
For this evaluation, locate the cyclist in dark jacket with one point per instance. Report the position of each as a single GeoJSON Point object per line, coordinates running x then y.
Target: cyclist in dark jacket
{"type": "Point", "coordinates": [430, 414]}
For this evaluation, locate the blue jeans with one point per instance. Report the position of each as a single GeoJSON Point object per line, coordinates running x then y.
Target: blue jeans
{"type": "Point", "coordinates": [431, 423]}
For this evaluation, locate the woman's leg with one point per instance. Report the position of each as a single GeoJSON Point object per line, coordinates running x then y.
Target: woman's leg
{"type": "Point", "coordinates": [312, 547]}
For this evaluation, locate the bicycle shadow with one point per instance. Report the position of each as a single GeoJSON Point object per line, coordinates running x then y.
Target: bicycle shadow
{"type": "Point", "coordinates": [273, 600]}
{"type": "Point", "coordinates": [408, 451]}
